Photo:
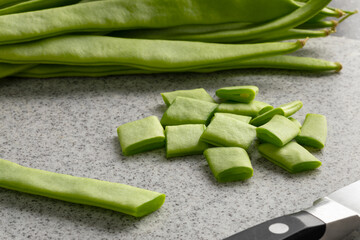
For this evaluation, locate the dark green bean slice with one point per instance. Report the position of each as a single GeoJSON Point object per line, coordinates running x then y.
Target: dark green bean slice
{"type": "Point", "coordinates": [292, 157]}
{"type": "Point", "coordinates": [33, 5]}
{"type": "Point", "coordinates": [314, 131]}
{"type": "Point", "coordinates": [130, 14]}
{"type": "Point", "coordinates": [145, 54]}
{"type": "Point", "coordinates": [115, 196]}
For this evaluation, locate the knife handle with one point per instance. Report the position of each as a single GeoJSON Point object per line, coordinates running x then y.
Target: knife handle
{"type": "Point", "coordinates": [297, 226]}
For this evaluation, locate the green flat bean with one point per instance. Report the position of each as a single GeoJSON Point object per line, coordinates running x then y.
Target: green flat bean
{"type": "Point", "coordinates": [225, 131]}
{"type": "Point", "coordinates": [33, 5]}
{"type": "Point", "coordinates": [7, 3]}
{"type": "Point", "coordinates": [314, 131]}
{"type": "Point", "coordinates": [141, 135]}
{"type": "Point", "coordinates": [294, 34]}
{"type": "Point", "coordinates": [293, 19]}
{"type": "Point", "coordinates": [11, 69]}
{"type": "Point", "coordinates": [145, 54]}
{"type": "Point", "coordinates": [277, 62]}
{"type": "Point", "coordinates": [251, 109]}
{"type": "Point", "coordinates": [198, 93]}
{"type": "Point", "coordinates": [243, 94]}
{"type": "Point", "coordinates": [292, 157]}
{"type": "Point", "coordinates": [229, 164]}
{"type": "Point", "coordinates": [115, 196]}
{"type": "Point", "coordinates": [319, 24]}
{"type": "Point", "coordinates": [184, 140]}
{"type": "Point", "coordinates": [129, 14]}
{"type": "Point", "coordinates": [286, 110]}
{"type": "Point", "coordinates": [278, 131]}
{"type": "Point", "coordinates": [188, 111]}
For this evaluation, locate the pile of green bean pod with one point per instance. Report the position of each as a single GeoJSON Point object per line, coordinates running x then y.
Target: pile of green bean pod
{"type": "Point", "coordinates": [113, 37]}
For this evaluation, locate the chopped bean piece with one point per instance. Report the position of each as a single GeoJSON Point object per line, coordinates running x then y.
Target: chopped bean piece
{"type": "Point", "coordinates": [314, 131]}
{"type": "Point", "coordinates": [184, 140]}
{"type": "Point", "coordinates": [297, 123]}
{"type": "Point", "coordinates": [245, 119]}
{"type": "Point", "coordinates": [229, 163]}
{"type": "Point", "coordinates": [252, 108]}
{"type": "Point", "coordinates": [188, 111]}
{"type": "Point", "coordinates": [278, 131]}
{"type": "Point", "coordinates": [229, 132]}
{"type": "Point", "coordinates": [238, 93]}
{"type": "Point", "coordinates": [292, 157]}
{"type": "Point", "coordinates": [141, 135]}
{"type": "Point", "coordinates": [198, 93]}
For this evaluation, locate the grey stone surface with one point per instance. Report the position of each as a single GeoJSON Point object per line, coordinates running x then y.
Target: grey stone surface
{"type": "Point", "coordinates": [68, 125]}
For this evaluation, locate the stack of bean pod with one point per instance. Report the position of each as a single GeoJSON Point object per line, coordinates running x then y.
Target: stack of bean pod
{"type": "Point", "coordinates": [111, 37]}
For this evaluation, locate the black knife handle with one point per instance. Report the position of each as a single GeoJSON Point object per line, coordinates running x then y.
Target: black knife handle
{"type": "Point", "coordinates": [297, 226]}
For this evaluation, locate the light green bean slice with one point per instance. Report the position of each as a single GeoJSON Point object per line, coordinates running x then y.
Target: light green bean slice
{"type": "Point", "coordinates": [229, 163]}
{"type": "Point", "coordinates": [278, 131]}
{"type": "Point", "coordinates": [115, 196]}
{"type": "Point", "coordinates": [292, 157]}
{"type": "Point", "coordinates": [295, 121]}
{"type": "Point", "coordinates": [243, 94]}
{"type": "Point", "coordinates": [33, 5]}
{"type": "Point", "coordinates": [251, 109]}
{"type": "Point", "coordinates": [245, 119]}
{"type": "Point", "coordinates": [141, 135]}
{"type": "Point", "coordinates": [286, 110]}
{"type": "Point", "coordinates": [130, 14]}
{"type": "Point", "coordinates": [188, 111]}
{"type": "Point", "coordinates": [145, 54]}
{"type": "Point", "coordinates": [225, 131]}
{"type": "Point", "coordinates": [184, 140]}
{"type": "Point", "coordinates": [314, 131]}
{"type": "Point", "coordinates": [198, 93]}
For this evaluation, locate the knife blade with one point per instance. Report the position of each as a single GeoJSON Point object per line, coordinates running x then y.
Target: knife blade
{"type": "Point", "coordinates": [330, 218]}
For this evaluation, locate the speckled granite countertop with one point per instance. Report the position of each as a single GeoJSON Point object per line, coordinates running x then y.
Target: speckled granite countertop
{"type": "Point", "coordinates": [68, 125]}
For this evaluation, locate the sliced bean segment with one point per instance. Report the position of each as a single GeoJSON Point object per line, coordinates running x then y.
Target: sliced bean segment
{"type": "Point", "coordinates": [278, 131]}
{"type": "Point", "coordinates": [184, 140]}
{"type": "Point", "coordinates": [141, 135]}
{"type": "Point", "coordinates": [229, 164]}
{"type": "Point", "coordinates": [314, 131]}
{"type": "Point", "coordinates": [238, 93]}
{"type": "Point", "coordinates": [115, 196]}
{"type": "Point", "coordinates": [286, 110]}
{"type": "Point", "coordinates": [245, 119]}
{"type": "Point", "coordinates": [188, 111]}
{"type": "Point", "coordinates": [252, 108]}
{"type": "Point", "coordinates": [229, 132]}
{"type": "Point", "coordinates": [292, 157]}
{"type": "Point", "coordinates": [295, 121]}
{"type": "Point", "coordinates": [198, 93]}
